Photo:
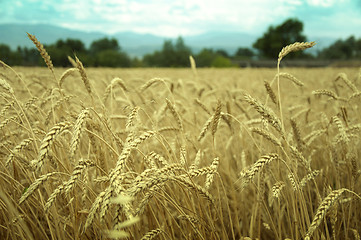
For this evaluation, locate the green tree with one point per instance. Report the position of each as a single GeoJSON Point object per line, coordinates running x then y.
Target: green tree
{"type": "Point", "coordinates": [104, 44]}
{"type": "Point", "coordinates": [222, 53]}
{"type": "Point", "coordinates": [244, 53]}
{"type": "Point", "coordinates": [29, 56]}
{"type": "Point", "coordinates": [108, 53]}
{"type": "Point", "coordinates": [8, 56]}
{"type": "Point", "coordinates": [347, 49]}
{"type": "Point", "coordinates": [221, 62]}
{"type": "Point", "coordinates": [205, 57]}
{"type": "Point", "coordinates": [272, 41]}
{"type": "Point", "coordinates": [110, 58]}
{"type": "Point", "coordinates": [60, 51]}
{"type": "Point", "coordinates": [171, 55]}
{"type": "Point", "coordinates": [182, 53]}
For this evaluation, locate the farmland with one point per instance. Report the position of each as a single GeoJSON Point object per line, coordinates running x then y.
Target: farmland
{"type": "Point", "coordinates": [95, 153]}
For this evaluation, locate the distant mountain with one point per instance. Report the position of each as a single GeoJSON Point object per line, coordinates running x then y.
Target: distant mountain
{"type": "Point", "coordinates": [15, 34]}
{"type": "Point", "coordinates": [135, 44]}
{"type": "Point", "coordinates": [229, 41]}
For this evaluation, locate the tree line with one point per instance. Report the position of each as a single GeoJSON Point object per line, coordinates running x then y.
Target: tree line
{"type": "Point", "coordinates": [107, 52]}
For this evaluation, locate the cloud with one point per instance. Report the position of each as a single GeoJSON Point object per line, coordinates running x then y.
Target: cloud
{"type": "Point", "coordinates": [170, 18]}
{"type": "Point", "coordinates": [160, 17]}
{"type": "Point", "coordinates": [324, 3]}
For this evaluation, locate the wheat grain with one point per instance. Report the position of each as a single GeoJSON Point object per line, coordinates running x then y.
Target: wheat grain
{"type": "Point", "coordinates": [343, 77]}
{"type": "Point", "coordinates": [291, 78]}
{"type": "Point", "coordinates": [216, 117]}
{"type": "Point", "coordinates": [309, 177]}
{"type": "Point", "coordinates": [199, 189]}
{"type": "Point", "coordinates": [114, 82]}
{"type": "Point", "coordinates": [78, 170]}
{"type": "Point", "coordinates": [53, 197]}
{"type": "Point", "coordinates": [175, 114]}
{"type": "Point", "coordinates": [34, 186]}
{"type": "Point", "coordinates": [196, 161]}
{"type": "Point", "coordinates": [66, 74]}
{"type": "Point", "coordinates": [325, 205]}
{"type": "Point", "coordinates": [18, 149]}
{"type": "Point", "coordinates": [80, 67]}
{"type": "Point", "coordinates": [150, 83]}
{"type": "Point", "coordinates": [297, 46]}
{"type": "Point", "coordinates": [265, 112]}
{"type": "Point", "coordinates": [267, 135]}
{"type": "Point", "coordinates": [277, 188]}
{"type": "Point", "coordinates": [326, 93]}
{"type": "Point", "coordinates": [77, 130]}
{"type": "Point", "coordinates": [42, 51]}
{"type": "Point", "coordinates": [205, 128]}
{"type": "Point", "coordinates": [202, 106]}
{"type": "Point", "coordinates": [299, 157]}
{"type": "Point", "coordinates": [296, 133]}
{"type": "Point", "coordinates": [270, 92]}
{"type": "Point", "coordinates": [152, 234]}
{"type": "Point", "coordinates": [356, 234]}
{"type": "Point", "coordinates": [209, 178]}
{"type": "Point", "coordinates": [131, 117]}
{"type": "Point", "coordinates": [343, 135]}
{"type": "Point", "coordinates": [248, 175]}
{"type": "Point", "coordinates": [47, 142]}
{"type": "Point", "coordinates": [183, 155]}
{"type": "Point", "coordinates": [94, 209]}
{"type": "Point", "coordinates": [5, 85]}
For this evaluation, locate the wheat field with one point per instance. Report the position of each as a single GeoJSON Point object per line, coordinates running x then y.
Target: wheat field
{"type": "Point", "coordinates": [179, 153]}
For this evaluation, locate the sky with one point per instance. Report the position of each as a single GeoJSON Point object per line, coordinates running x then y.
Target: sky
{"type": "Point", "coordinates": [171, 18]}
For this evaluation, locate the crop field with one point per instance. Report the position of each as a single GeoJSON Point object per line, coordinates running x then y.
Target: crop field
{"type": "Point", "coordinates": [179, 153]}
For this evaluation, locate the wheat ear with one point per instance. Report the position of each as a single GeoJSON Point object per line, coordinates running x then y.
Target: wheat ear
{"type": "Point", "coordinates": [343, 77]}
{"type": "Point", "coordinates": [248, 175]}
{"type": "Point", "coordinates": [35, 186]}
{"type": "Point", "coordinates": [265, 112]}
{"type": "Point", "coordinates": [42, 51]}
{"type": "Point", "coordinates": [66, 74]}
{"type": "Point", "coordinates": [151, 234]}
{"type": "Point", "coordinates": [216, 117]}
{"type": "Point", "coordinates": [297, 46]}
{"type": "Point", "coordinates": [83, 75]}
{"type": "Point", "coordinates": [322, 209]}
{"type": "Point", "coordinates": [79, 123]}
{"type": "Point", "coordinates": [47, 142]}
{"type": "Point", "coordinates": [5, 85]}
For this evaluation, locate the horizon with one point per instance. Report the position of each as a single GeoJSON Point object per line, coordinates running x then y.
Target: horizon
{"type": "Point", "coordinates": [321, 18]}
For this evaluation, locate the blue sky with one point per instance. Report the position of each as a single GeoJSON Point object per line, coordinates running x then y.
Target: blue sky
{"type": "Point", "coordinates": [325, 18]}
